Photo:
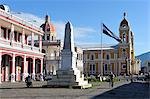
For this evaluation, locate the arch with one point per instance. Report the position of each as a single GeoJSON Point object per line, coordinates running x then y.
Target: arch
{"type": "Point", "coordinates": [37, 65]}
{"type": "Point", "coordinates": [18, 67]}
{"type": "Point", "coordinates": [6, 67]}
{"type": "Point", "coordinates": [29, 64]}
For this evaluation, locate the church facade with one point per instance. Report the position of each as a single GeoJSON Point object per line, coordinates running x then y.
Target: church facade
{"type": "Point", "coordinates": [119, 58]}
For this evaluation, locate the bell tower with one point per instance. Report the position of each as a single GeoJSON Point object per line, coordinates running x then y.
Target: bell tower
{"type": "Point", "coordinates": [125, 46]}
{"type": "Point", "coordinates": [49, 30]}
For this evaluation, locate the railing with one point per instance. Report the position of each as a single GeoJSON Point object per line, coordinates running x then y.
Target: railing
{"type": "Point", "coordinates": [28, 47]}
{"type": "Point", "coordinates": [9, 15]}
{"type": "Point", "coordinates": [4, 42]}
{"type": "Point", "coordinates": [17, 44]}
{"type": "Point", "coordinates": [36, 49]}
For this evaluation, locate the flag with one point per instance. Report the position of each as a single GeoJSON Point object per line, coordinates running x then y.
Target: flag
{"type": "Point", "coordinates": [110, 34]}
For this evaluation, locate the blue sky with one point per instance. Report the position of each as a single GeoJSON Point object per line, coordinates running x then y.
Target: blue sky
{"type": "Point", "coordinates": [87, 15]}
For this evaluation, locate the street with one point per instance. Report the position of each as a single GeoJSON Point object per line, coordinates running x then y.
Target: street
{"type": "Point", "coordinates": [121, 90]}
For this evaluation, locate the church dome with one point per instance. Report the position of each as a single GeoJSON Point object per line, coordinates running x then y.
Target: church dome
{"type": "Point", "coordinates": [52, 28]}
{"type": "Point", "coordinates": [48, 26]}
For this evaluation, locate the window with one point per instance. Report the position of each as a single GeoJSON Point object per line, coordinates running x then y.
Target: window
{"type": "Point", "coordinates": [3, 32]}
{"type": "Point", "coordinates": [124, 66]}
{"type": "Point", "coordinates": [48, 37]}
{"type": "Point", "coordinates": [52, 38]}
{"type": "Point", "coordinates": [96, 55]}
{"type": "Point", "coordinates": [15, 36]}
{"type": "Point", "coordinates": [124, 36]}
{"type": "Point", "coordinates": [107, 57]}
{"type": "Point", "coordinates": [123, 52]}
{"type": "Point", "coordinates": [93, 67]}
{"type": "Point", "coordinates": [48, 29]}
{"type": "Point", "coordinates": [106, 68]}
{"type": "Point", "coordinates": [9, 34]}
{"type": "Point", "coordinates": [90, 67]}
{"type": "Point", "coordinates": [43, 37]}
{"type": "Point", "coordinates": [92, 57]}
{"type": "Point", "coordinates": [88, 56]}
{"type": "Point", "coordinates": [148, 64]}
{"type": "Point", "coordinates": [19, 37]}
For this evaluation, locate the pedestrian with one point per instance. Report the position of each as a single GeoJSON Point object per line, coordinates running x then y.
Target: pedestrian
{"type": "Point", "coordinates": [28, 81]}
{"type": "Point", "coordinates": [111, 76]}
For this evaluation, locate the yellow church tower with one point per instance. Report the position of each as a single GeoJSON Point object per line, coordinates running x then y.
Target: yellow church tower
{"type": "Point", "coordinates": [126, 48]}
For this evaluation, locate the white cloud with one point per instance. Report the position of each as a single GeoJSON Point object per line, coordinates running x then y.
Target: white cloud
{"type": "Point", "coordinates": [80, 33]}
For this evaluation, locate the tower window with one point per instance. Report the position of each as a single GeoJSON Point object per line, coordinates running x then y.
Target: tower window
{"type": "Point", "coordinates": [43, 37]}
{"type": "Point", "coordinates": [124, 52]}
{"type": "Point", "coordinates": [124, 36]}
{"type": "Point", "coordinates": [124, 66]}
{"type": "Point", "coordinates": [48, 37]}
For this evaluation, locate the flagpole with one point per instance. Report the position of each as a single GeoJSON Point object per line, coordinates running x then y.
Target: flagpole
{"type": "Point", "coordinates": [102, 50]}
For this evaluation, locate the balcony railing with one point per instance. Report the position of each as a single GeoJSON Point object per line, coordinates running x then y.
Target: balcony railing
{"type": "Point", "coordinates": [11, 16]}
{"type": "Point", "coordinates": [4, 41]}
{"type": "Point", "coordinates": [7, 43]}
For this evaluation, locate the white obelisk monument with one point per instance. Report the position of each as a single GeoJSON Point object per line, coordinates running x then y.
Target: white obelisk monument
{"type": "Point", "coordinates": [68, 74]}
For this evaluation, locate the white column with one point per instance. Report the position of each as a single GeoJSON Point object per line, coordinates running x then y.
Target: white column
{"type": "Point", "coordinates": [33, 69]}
{"type": "Point", "coordinates": [40, 43]}
{"type": "Point", "coordinates": [0, 66]}
{"type": "Point", "coordinates": [41, 70]}
{"type": "Point", "coordinates": [23, 37]}
{"type": "Point", "coordinates": [12, 34]}
{"type": "Point", "coordinates": [13, 69]}
{"type": "Point", "coordinates": [32, 40]}
{"type": "Point", "coordinates": [24, 74]}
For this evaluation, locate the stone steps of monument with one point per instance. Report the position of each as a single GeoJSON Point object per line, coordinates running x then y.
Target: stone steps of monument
{"type": "Point", "coordinates": [82, 86]}
{"type": "Point", "coordinates": [69, 84]}
{"type": "Point", "coordinates": [65, 72]}
{"type": "Point", "coordinates": [64, 77]}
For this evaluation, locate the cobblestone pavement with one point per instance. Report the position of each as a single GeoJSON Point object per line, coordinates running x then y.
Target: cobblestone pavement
{"type": "Point", "coordinates": [121, 90]}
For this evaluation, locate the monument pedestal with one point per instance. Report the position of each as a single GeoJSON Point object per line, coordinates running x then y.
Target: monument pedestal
{"type": "Point", "coordinates": [69, 75]}
{"type": "Point", "coordinates": [68, 78]}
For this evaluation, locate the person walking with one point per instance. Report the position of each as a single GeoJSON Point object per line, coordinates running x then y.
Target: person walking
{"type": "Point", "coordinates": [111, 76]}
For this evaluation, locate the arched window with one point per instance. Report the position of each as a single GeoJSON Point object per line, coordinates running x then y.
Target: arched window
{"type": "Point", "coordinates": [123, 52]}
{"type": "Point", "coordinates": [124, 36]}
{"type": "Point", "coordinates": [107, 57]}
{"type": "Point", "coordinates": [92, 57]}
{"type": "Point", "coordinates": [105, 67]}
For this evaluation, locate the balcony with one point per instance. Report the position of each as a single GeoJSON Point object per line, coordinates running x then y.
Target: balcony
{"type": "Point", "coordinates": [17, 45]}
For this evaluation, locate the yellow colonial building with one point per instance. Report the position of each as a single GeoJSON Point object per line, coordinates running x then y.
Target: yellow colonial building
{"type": "Point", "coordinates": [119, 58]}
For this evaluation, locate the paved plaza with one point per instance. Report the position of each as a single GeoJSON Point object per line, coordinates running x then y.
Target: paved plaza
{"type": "Point", "coordinates": [121, 90]}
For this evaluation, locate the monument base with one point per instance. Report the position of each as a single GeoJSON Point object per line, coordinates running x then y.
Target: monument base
{"type": "Point", "coordinates": [68, 78]}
